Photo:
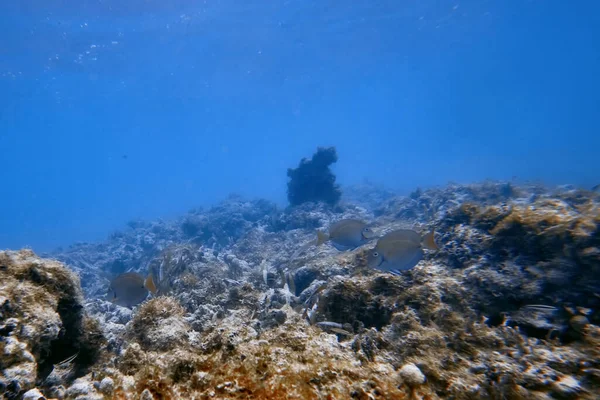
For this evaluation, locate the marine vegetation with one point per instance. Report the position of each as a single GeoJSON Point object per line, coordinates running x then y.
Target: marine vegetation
{"type": "Point", "coordinates": [313, 181]}
{"type": "Point", "coordinates": [487, 315]}
{"type": "Point", "coordinates": [526, 252]}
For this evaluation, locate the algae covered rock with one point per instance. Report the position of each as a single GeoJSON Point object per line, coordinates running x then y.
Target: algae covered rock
{"type": "Point", "coordinates": [411, 375]}
{"type": "Point", "coordinates": [242, 315]}
{"type": "Point", "coordinates": [235, 361]}
{"type": "Point", "coordinates": [159, 325]}
{"type": "Point", "coordinates": [227, 221]}
{"type": "Point", "coordinates": [42, 323]}
{"type": "Point", "coordinates": [524, 252]}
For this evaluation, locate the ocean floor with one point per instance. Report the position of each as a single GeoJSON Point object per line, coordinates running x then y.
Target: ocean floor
{"type": "Point", "coordinates": [507, 308]}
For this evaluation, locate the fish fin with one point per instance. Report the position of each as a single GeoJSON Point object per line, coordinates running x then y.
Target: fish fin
{"type": "Point", "coordinates": [291, 283]}
{"type": "Point", "coordinates": [322, 237]}
{"type": "Point", "coordinates": [149, 284]}
{"type": "Point", "coordinates": [265, 274]}
{"type": "Point", "coordinates": [341, 247]}
{"type": "Point", "coordinates": [341, 331]}
{"type": "Point", "coordinates": [429, 241]}
{"type": "Point", "coordinates": [111, 296]}
{"type": "Point", "coordinates": [282, 276]}
{"type": "Point", "coordinates": [67, 360]}
{"type": "Point", "coordinates": [396, 272]}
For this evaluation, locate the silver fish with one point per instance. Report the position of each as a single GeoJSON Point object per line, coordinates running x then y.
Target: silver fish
{"type": "Point", "coordinates": [538, 308]}
{"type": "Point", "coordinates": [400, 250]}
{"type": "Point", "coordinates": [130, 289]}
{"type": "Point", "coordinates": [346, 234]}
{"type": "Point", "coordinates": [329, 324]}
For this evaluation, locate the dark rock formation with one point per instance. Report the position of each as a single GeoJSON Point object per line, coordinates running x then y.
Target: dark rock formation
{"type": "Point", "coordinates": [313, 181]}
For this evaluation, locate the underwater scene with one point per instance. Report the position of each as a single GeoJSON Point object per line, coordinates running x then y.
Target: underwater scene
{"type": "Point", "coordinates": [299, 199]}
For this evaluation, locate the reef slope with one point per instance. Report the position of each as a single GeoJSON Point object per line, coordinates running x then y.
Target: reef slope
{"type": "Point", "coordinates": [242, 314]}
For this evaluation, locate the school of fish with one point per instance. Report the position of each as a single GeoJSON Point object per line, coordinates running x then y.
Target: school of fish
{"type": "Point", "coordinates": [394, 252]}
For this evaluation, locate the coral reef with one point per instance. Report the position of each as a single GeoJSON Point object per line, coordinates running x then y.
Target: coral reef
{"type": "Point", "coordinates": [228, 221]}
{"type": "Point", "coordinates": [488, 316]}
{"type": "Point", "coordinates": [159, 325]}
{"type": "Point", "coordinates": [128, 250]}
{"type": "Point", "coordinates": [145, 244]}
{"type": "Point", "coordinates": [313, 181]}
{"type": "Point", "coordinates": [527, 251]}
{"type": "Point", "coordinates": [237, 361]}
{"type": "Point", "coordinates": [42, 324]}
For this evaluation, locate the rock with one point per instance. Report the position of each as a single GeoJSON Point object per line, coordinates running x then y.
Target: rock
{"type": "Point", "coordinates": [411, 375]}
{"type": "Point", "coordinates": [33, 394]}
{"type": "Point", "coordinates": [159, 324]}
{"type": "Point", "coordinates": [567, 387]}
{"type": "Point", "coordinates": [56, 392]}
{"type": "Point", "coordinates": [579, 322]}
{"type": "Point", "coordinates": [107, 386]}
{"type": "Point", "coordinates": [146, 395]}
{"type": "Point", "coordinates": [83, 389]}
{"type": "Point", "coordinates": [43, 322]}
{"type": "Point", "coordinates": [273, 318]}
{"type": "Point", "coordinates": [303, 278]}
{"type": "Point", "coordinates": [351, 300]}
{"type": "Point", "coordinates": [313, 180]}
{"type": "Point", "coordinates": [466, 322]}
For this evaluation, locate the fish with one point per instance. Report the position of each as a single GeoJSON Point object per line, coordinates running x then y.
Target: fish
{"type": "Point", "coordinates": [334, 327]}
{"type": "Point", "coordinates": [400, 250]}
{"type": "Point", "coordinates": [329, 324]}
{"type": "Point", "coordinates": [346, 234]}
{"type": "Point", "coordinates": [264, 269]}
{"type": "Point", "coordinates": [341, 331]}
{"type": "Point", "coordinates": [130, 289]}
{"type": "Point", "coordinates": [538, 308]}
{"type": "Point", "coordinates": [316, 293]}
{"type": "Point", "coordinates": [288, 279]}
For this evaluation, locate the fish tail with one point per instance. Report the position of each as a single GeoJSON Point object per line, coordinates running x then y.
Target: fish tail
{"type": "Point", "coordinates": [322, 237]}
{"type": "Point", "coordinates": [265, 275]}
{"type": "Point", "coordinates": [429, 241]}
{"type": "Point", "coordinates": [150, 284]}
{"type": "Point", "coordinates": [282, 276]}
{"type": "Point", "coordinates": [291, 283]}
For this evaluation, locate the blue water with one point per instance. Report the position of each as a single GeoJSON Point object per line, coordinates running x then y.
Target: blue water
{"type": "Point", "coordinates": [205, 98]}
